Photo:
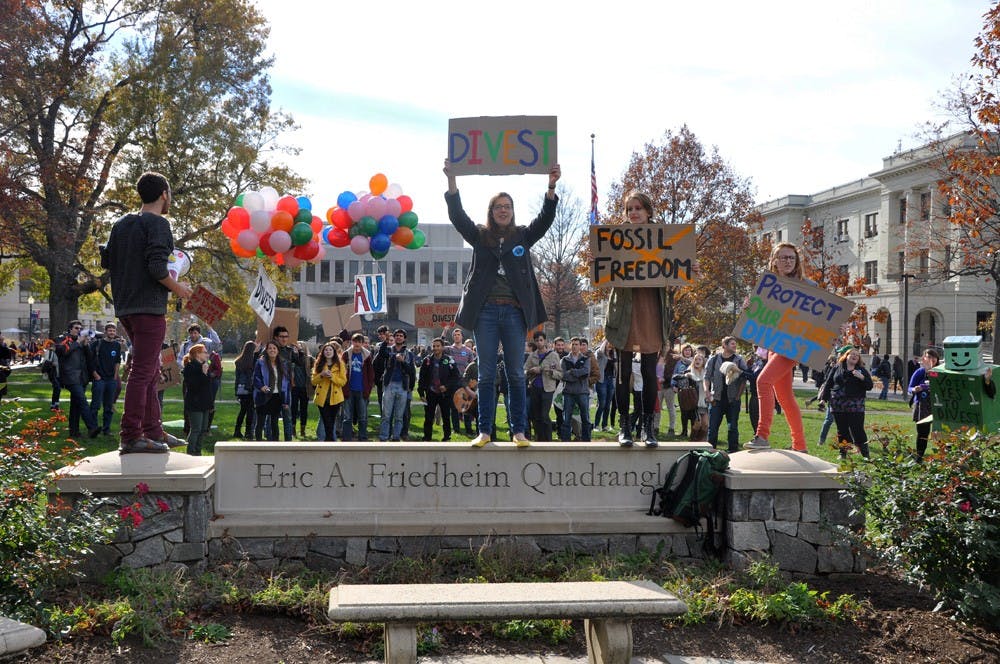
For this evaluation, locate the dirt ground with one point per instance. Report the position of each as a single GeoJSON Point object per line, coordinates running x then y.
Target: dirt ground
{"type": "Point", "coordinates": [900, 626]}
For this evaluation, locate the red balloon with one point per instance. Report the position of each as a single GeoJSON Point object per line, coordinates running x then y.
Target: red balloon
{"type": "Point", "coordinates": [316, 224]}
{"type": "Point", "coordinates": [279, 259]}
{"type": "Point", "coordinates": [307, 251]}
{"type": "Point", "coordinates": [265, 244]}
{"type": "Point", "coordinates": [228, 230]}
{"type": "Point", "coordinates": [239, 218]}
{"type": "Point", "coordinates": [338, 237]}
{"type": "Point", "coordinates": [341, 219]}
{"type": "Point", "coordinates": [405, 203]}
{"type": "Point", "coordinates": [288, 204]}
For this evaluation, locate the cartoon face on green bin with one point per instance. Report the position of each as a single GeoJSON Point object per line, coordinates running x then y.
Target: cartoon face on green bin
{"type": "Point", "coordinates": [961, 353]}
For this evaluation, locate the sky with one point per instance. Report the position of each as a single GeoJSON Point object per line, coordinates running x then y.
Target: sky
{"type": "Point", "coordinates": [797, 96]}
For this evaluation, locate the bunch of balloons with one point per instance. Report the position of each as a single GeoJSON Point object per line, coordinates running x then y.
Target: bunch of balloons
{"type": "Point", "coordinates": [374, 220]}
{"type": "Point", "coordinates": [282, 228]}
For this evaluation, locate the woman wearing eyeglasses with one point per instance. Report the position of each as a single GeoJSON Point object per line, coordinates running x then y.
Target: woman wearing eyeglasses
{"type": "Point", "coordinates": [777, 376]}
{"type": "Point", "coordinates": [501, 299]}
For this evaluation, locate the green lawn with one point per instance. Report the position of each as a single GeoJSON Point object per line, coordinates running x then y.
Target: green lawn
{"type": "Point", "coordinates": [34, 392]}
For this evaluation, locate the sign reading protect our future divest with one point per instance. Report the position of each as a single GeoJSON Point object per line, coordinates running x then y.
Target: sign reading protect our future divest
{"type": "Point", "coordinates": [642, 255]}
{"type": "Point", "coordinates": [506, 145]}
{"type": "Point", "coordinates": [793, 319]}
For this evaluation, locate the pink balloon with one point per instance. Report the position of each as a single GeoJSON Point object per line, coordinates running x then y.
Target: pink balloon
{"type": "Point", "coordinates": [356, 210]}
{"type": "Point", "coordinates": [281, 241]}
{"type": "Point", "coordinates": [376, 207]}
{"type": "Point", "coordinates": [359, 244]}
{"type": "Point", "coordinates": [292, 261]}
{"type": "Point", "coordinates": [365, 197]}
{"type": "Point", "coordinates": [392, 208]}
{"type": "Point", "coordinates": [248, 239]}
{"type": "Point", "coordinates": [320, 255]}
{"type": "Point", "coordinates": [393, 191]}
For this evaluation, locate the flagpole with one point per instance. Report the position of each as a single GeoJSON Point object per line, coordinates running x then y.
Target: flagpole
{"type": "Point", "coordinates": [593, 184]}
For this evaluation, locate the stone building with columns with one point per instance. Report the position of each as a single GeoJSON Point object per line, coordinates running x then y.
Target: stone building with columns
{"type": "Point", "coordinates": [891, 227]}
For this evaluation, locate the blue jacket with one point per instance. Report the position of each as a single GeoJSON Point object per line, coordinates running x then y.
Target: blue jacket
{"type": "Point", "coordinates": [262, 377]}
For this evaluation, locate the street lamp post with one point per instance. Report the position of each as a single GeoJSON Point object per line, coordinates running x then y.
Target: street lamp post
{"type": "Point", "coordinates": [31, 318]}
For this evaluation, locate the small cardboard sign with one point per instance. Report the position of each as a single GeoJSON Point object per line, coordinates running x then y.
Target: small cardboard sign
{"type": "Point", "coordinates": [505, 145]}
{"type": "Point", "coordinates": [794, 319]}
{"type": "Point", "coordinates": [435, 315]}
{"type": "Point", "coordinates": [206, 305]}
{"type": "Point", "coordinates": [288, 318]}
{"type": "Point", "coordinates": [170, 371]}
{"type": "Point", "coordinates": [369, 294]}
{"type": "Point", "coordinates": [263, 297]}
{"type": "Point", "coordinates": [642, 255]}
{"type": "Point", "coordinates": [339, 318]}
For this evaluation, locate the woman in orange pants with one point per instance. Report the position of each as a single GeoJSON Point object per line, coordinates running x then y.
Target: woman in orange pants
{"type": "Point", "coordinates": [777, 376]}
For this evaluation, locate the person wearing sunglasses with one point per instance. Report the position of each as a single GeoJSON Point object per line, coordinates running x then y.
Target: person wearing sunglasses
{"type": "Point", "coordinates": [501, 300]}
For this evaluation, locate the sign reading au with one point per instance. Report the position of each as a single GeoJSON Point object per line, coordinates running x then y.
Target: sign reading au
{"type": "Point", "coordinates": [642, 255]}
{"type": "Point", "coordinates": [793, 319]}
{"type": "Point", "coordinates": [369, 294]}
{"type": "Point", "coordinates": [508, 145]}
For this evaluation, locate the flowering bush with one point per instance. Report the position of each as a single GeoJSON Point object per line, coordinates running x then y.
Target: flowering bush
{"type": "Point", "coordinates": [42, 538]}
{"type": "Point", "coordinates": [132, 514]}
{"type": "Point", "coordinates": [937, 521]}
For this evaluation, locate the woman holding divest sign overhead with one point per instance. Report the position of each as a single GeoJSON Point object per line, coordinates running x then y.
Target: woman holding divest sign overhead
{"type": "Point", "coordinates": [501, 299]}
{"type": "Point", "coordinates": [637, 322]}
{"type": "Point", "coordinates": [778, 374]}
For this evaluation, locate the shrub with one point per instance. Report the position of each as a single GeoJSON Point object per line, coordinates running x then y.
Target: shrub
{"type": "Point", "coordinates": [42, 539]}
{"type": "Point", "coordinates": [938, 521]}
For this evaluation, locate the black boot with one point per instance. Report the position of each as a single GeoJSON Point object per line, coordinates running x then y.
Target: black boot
{"type": "Point", "coordinates": [625, 433]}
{"type": "Point", "coordinates": [650, 436]}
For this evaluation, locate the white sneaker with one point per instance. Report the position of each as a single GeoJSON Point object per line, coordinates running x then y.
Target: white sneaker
{"type": "Point", "coordinates": [758, 443]}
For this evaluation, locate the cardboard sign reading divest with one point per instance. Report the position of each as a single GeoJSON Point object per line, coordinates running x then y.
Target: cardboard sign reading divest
{"type": "Point", "coordinates": [434, 315]}
{"type": "Point", "coordinates": [793, 319]}
{"type": "Point", "coordinates": [642, 255]}
{"type": "Point", "coordinates": [508, 145]}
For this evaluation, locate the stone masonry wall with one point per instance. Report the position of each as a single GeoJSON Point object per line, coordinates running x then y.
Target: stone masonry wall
{"type": "Point", "coordinates": [795, 528]}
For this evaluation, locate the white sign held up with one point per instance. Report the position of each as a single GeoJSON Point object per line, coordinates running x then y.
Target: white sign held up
{"type": "Point", "coordinates": [263, 297]}
{"type": "Point", "coordinates": [369, 294]}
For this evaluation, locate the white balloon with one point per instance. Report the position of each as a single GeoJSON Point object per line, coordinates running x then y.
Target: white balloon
{"type": "Point", "coordinates": [271, 197]}
{"type": "Point", "coordinates": [260, 221]}
{"type": "Point", "coordinates": [281, 241]}
{"type": "Point", "coordinates": [393, 191]}
{"type": "Point", "coordinates": [252, 200]}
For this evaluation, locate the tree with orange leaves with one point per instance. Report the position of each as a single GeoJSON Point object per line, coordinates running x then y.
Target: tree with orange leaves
{"type": "Point", "coordinates": [692, 185]}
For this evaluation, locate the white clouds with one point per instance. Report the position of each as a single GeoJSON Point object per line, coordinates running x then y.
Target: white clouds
{"type": "Point", "coordinates": [798, 96]}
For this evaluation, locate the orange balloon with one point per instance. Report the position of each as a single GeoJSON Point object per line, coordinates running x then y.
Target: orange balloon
{"type": "Point", "coordinates": [240, 251]}
{"type": "Point", "coordinates": [378, 184]}
{"type": "Point", "coordinates": [228, 229]}
{"type": "Point", "coordinates": [282, 221]}
{"type": "Point", "coordinates": [403, 236]}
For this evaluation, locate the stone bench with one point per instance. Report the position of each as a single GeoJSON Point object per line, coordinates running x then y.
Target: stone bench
{"type": "Point", "coordinates": [607, 609]}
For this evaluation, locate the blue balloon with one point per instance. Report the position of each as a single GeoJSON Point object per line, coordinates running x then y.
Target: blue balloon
{"type": "Point", "coordinates": [304, 203]}
{"type": "Point", "coordinates": [388, 224]}
{"type": "Point", "coordinates": [380, 243]}
{"type": "Point", "coordinates": [345, 199]}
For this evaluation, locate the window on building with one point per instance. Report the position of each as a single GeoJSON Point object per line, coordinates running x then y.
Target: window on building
{"type": "Point", "coordinates": [352, 269]}
{"type": "Point", "coordinates": [843, 272]}
{"type": "Point", "coordinates": [779, 236]}
{"type": "Point", "coordinates": [871, 272]}
{"type": "Point", "coordinates": [766, 239]}
{"type": "Point", "coordinates": [438, 273]}
{"type": "Point", "coordinates": [842, 235]}
{"type": "Point", "coordinates": [338, 272]}
{"type": "Point", "coordinates": [411, 272]}
{"type": "Point", "coordinates": [425, 272]}
{"type": "Point", "coordinates": [925, 260]}
{"type": "Point", "coordinates": [984, 324]}
{"type": "Point", "coordinates": [465, 271]}
{"type": "Point", "coordinates": [901, 257]}
{"type": "Point", "coordinates": [310, 273]}
{"type": "Point", "coordinates": [871, 224]}
{"type": "Point", "coordinates": [453, 272]}
{"type": "Point", "coordinates": [925, 206]}
{"type": "Point", "coordinates": [397, 272]}
{"type": "Point", "coordinates": [902, 210]}
{"type": "Point", "coordinates": [324, 272]}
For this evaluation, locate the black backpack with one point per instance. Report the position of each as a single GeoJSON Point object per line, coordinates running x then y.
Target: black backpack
{"type": "Point", "coordinates": [692, 491]}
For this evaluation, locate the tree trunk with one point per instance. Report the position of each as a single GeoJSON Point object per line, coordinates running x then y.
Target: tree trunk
{"type": "Point", "coordinates": [996, 322]}
{"type": "Point", "coordinates": [64, 304]}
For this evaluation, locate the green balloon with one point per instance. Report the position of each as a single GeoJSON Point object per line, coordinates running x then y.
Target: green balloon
{"type": "Point", "coordinates": [418, 238]}
{"type": "Point", "coordinates": [239, 201]}
{"type": "Point", "coordinates": [369, 226]}
{"type": "Point", "coordinates": [408, 219]}
{"type": "Point", "coordinates": [260, 253]}
{"type": "Point", "coordinates": [301, 234]}
{"type": "Point", "coordinates": [354, 230]}
{"type": "Point", "coordinates": [304, 216]}
{"type": "Point", "coordinates": [378, 255]}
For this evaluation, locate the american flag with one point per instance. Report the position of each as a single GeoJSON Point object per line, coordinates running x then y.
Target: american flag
{"type": "Point", "coordinates": [593, 184]}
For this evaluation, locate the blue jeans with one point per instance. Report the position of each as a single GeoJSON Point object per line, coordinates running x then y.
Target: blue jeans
{"type": "Point", "coordinates": [732, 414]}
{"type": "Point", "coordinates": [393, 405]}
{"type": "Point", "coordinates": [885, 389]}
{"type": "Point", "coordinates": [501, 324]}
{"type": "Point", "coordinates": [827, 423]}
{"type": "Point", "coordinates": [78, 407]}
{"type": "Point", "coordinates": [102, 393]}
{"type": "Point", "coordinates": [605, 394]}
{"type": "Point", "coordinates": [566, 427]}
{"type": "Point", "coordinates": [355, 409]}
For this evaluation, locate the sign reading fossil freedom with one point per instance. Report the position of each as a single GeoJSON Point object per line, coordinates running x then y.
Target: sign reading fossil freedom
{"type": "Point", "coordinates": [794, 319]}
{"type": "Point", "coordinates": [642, 255]}
{"type": "Point", "coordinates": [506, 145]}
{"type": "Point", "coordinates": [434, 314]}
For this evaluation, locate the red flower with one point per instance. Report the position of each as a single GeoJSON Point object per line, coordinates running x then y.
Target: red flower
{"type": "Point", "coordinates": [162, 505]}
{"type": "Point", "coordinates": [142, 488]}
{"type": "Point", "coordinates": [136, 519]}
{"type": "Point", "coordinates": [124, 512]}
{"type": "Point", "coordinates": [965, 506]}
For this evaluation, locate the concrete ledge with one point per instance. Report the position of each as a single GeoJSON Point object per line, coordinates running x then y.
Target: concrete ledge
{"type": "Point", "coordinates": [111, 472]}
{"type": "Point", "coordinates": [16, 636]}
{"type": "Point", "coordinates": [417, 524]}
{"type": "Point", "coordinates": [780, 470]}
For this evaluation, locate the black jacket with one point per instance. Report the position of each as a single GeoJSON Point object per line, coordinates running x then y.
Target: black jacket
{"type": "Point", "coordinates": [486, 262]}
{"type": "Point", "coordinates": [136, 256]}
{"type": "Point", "coordinates": [408, 370]}
{"type": "Point", "coordinates": [447, 373]}
{"type": "Point", "coordinates": [75, 362]}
